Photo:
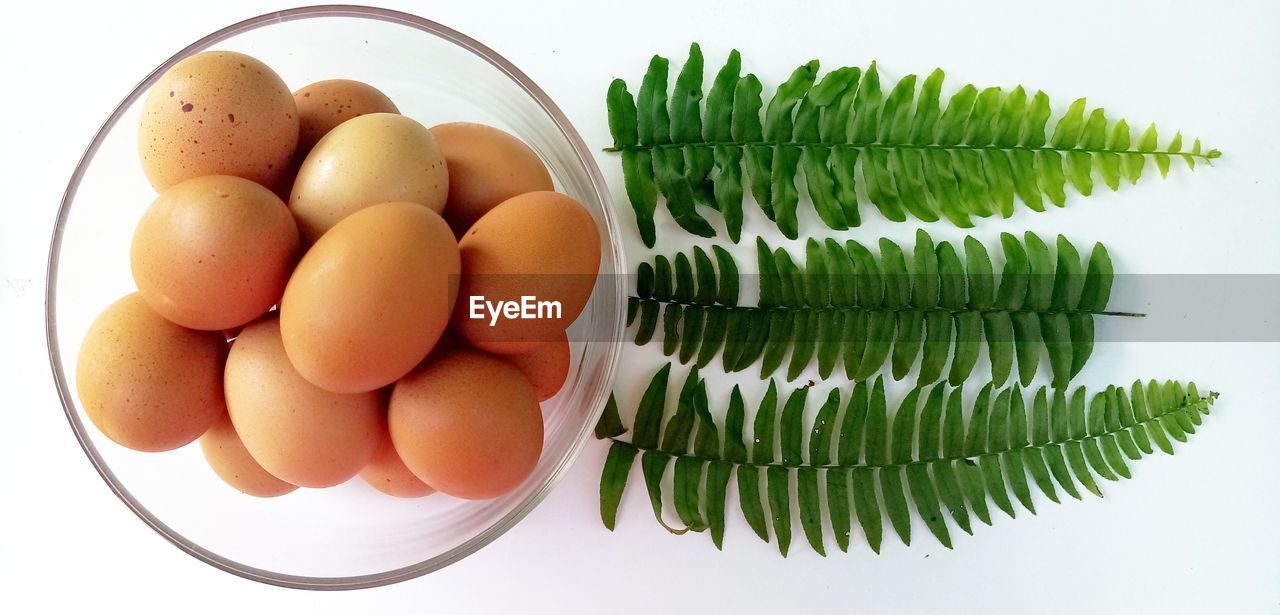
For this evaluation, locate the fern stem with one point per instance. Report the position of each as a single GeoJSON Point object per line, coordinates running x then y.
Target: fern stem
{"type": "Point", "coordinates": [1198, 406]}
{"type": "Point", "coordinates": [852, 308]}
{"type": "Point", "coordinates": [1124, 314]}
{"type": "Point", "coordinates": [1208, 155]}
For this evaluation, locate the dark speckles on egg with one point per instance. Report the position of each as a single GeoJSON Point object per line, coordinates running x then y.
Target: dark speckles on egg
{"type": "Point", "coordinates": [236, 93]}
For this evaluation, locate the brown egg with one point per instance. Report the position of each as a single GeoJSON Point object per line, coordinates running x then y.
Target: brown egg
{"type": "Point", "coordinates": [535, 251]}
{"type": "Point", "coordinates": [235, 466]}
{"type": "Point", "coordinates": [371, 298]}
{"type": "Point", "coordinates": [467, 424]}
{"type": "Point", "coordinates": [147, 383]}
{"type": "Point", "coordinates": [298, 432]}
{"type": "Point", "coordinates": [217, 113]}
{"type": "Point", "coordinates": [546, 366]}
{"type": "Point", "coordinates": [486, 166]}
{"type": "Point", "coordinates": [371, 159]}
{"type": "Point", "coordinates": [388, 474]}
{"type": "Point", "coordinates": [325, 104]}
{"type": "Point", "coordinates": [214, 252]}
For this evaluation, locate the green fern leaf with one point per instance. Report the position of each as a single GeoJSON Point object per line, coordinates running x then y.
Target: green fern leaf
{"type": "Point", "coordinates": [867, 463]}
{"type": "Point", "coordinates": [614, 479]}
{"type": "Point", "coordinates": [918, 156]}
{"type": "Point", "coordinates": [610, 423]}
{"type": "Point", "coordinates": [844, 304]}
{"type": "Point", "coordinates": [778, 486]}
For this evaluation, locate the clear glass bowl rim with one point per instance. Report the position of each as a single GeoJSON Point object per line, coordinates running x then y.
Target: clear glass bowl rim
{"type": "Point", "coordinates": [523, 508]}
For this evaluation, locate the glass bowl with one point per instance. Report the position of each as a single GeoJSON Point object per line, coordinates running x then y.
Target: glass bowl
{"type": "Point", "coordinates": [349, 536]}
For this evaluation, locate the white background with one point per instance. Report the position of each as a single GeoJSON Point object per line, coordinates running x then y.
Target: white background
{"type": "Point", "coordinates": [1191, 533]}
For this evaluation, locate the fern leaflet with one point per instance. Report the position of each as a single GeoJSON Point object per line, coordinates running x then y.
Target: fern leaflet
{"type": "Point", "coordinates": [844, 305]}
{"type": "Point", "coordinates": [914, 153]}
{"type": "Point", "coordinates": [870, 464]}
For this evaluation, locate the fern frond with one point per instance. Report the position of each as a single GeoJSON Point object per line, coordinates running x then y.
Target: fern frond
{"type": "Point", "coordinates": [870, 464]}
{"type": "Point", "coordinates": [915, 153]}
{"type": "Point", "coordinates": [842, 304]}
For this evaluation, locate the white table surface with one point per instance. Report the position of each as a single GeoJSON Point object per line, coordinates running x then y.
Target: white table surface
{"type": "Point", "coordinates": [1191, 533]}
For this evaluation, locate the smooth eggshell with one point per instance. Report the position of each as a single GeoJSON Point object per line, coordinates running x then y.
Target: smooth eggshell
{"type": "Point", "coordinates": [147, 383]}
{"type": "Point", "coordinates": [546, 366]}
{"type": "Point", "coordinates": [371, 159]}
{"type": "Point", "coordinates": [214, 252]}
{"type": "Point", "coordinates": [229, 459]}
{"type": "Point", "coordinates": [325, 104]}
{"type": "Point", "coordinates": [387, 473]}
{"type": "Point", "coordinates": [371, 298]}
{"type": "Point", "coordinates": [467, 424]}
{"type": "Point", "coordinates": [298, 432]}
{"type": "Point", "coordinates": [540, 244]}
{"type": "Point", "coordinates": [217, 113]}
{"type": "Point", "coordinates": [486, 166]}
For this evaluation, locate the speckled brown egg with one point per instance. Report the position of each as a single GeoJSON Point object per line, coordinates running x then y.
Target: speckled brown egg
{"type": "Point", "coordinates": [387, 473]}
{"type": "Point", "coordinates": [468, 424]}
{"type": "Point", "coordinates": [217, 113]}
{"type": "Point", "coordinates": [147, 383]}
{"type": "Point", "coordinates": [371, 159]}
{"type": "Point", "coordinates": [325, 104]}
{"type": "Point", "coordinates": [486, 166]}
{"type": "Point", "coordinates": [214, 252]}
{"type": "Point", "coordinates": [546, 366]}
{"type": "Point", "coordinates": [296, 431]}
{"type": "Point", "coordinates": [371, 298]}
{"type": "Point", "coordinates": [541, 245]}
{"type": "Point", "coordinates": [229, 459]}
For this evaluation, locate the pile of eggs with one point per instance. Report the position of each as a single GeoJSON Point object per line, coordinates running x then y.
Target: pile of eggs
{"type": "Point", "coordinates": [304, 278]}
